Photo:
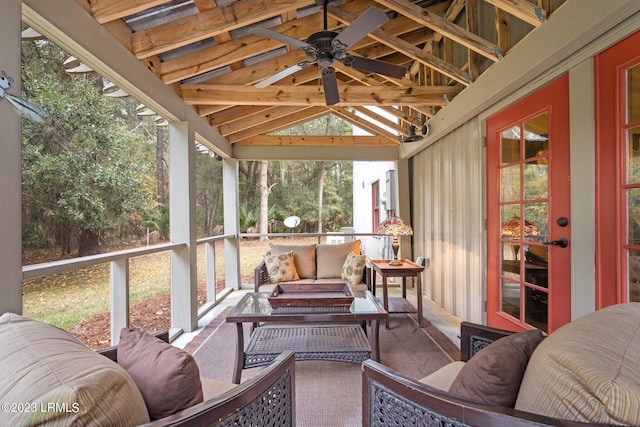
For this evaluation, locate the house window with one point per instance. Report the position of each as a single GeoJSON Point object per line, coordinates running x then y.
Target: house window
{"type": "Point", "coordinates": [375, 206]}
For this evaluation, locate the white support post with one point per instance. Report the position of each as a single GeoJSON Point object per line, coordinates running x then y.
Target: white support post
{"type": "Point", "coordinates": [182, 217]}
{"type": "Point", "coordinates": [119, 298]}
{"type": "Point", "coordinates": [210, 254]}
{"type": "Point", "coordinates": [10, 163]}
{"type": "Point", "coordinates": [231, 222]}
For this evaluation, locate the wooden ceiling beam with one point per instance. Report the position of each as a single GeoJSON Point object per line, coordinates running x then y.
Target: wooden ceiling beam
{"type": "Point", "coordinates": [446, 28]}
{"type": "Point", "coordinates": [193, 28]}
{"type": "Point", "coordinates": [451, 14]}
{"type": "Point", "coordinates": [301, 116]}
{"type": "Point", "coordinates": [207, 94]}
{"type": "Point", "coordinates": [317, 141]}
{"type": "Point", "coordinates": [521, 9]}
{"type": "Point", "coordinates": [236, 50]}
{"type": "Point", "coordinates": [258, 119]}
{"type": "Point", "coordinates": [232, 114]}
{"type": "Point", "coordinates": [110, 10]}
{"type": "Point", "coordinates": [408, 49]}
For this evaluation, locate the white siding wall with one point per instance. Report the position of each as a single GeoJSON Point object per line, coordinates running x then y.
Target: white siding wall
{"type": "Point", "coordinates": [364, 174]}
{"type": "Point", "coordinates": [448, 221]}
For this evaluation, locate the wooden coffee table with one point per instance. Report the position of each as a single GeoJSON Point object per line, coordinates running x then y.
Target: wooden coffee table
{"type": "Point", "coordinates": [255, 308]}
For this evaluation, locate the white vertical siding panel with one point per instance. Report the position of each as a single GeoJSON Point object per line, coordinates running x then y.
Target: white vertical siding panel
{"type": "Point", "coordinates": [448, 219]}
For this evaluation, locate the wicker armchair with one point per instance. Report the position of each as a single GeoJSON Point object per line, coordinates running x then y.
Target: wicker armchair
{"type": "Point", "coordinates": [389, 398]}
{"type": "Point", "coordinates": [268, 398]}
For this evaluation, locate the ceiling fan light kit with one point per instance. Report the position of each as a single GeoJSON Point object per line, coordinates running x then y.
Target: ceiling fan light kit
{"type": "Point", "coordinates": [324, 47]}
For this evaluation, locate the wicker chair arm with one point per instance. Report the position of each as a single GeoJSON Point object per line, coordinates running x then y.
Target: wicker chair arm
{"type": "Point", "coordinates": [260, 276]}
{"type": "Point", "coordinates": [268, 398]}
{"type": "Point", "coordinates": [474, 337]}
{"type": "Point", "coordinates": [389, 398]}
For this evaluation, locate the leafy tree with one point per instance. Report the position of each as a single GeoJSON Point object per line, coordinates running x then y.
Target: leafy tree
{"type": "Point", "coordinates": [89, 169]}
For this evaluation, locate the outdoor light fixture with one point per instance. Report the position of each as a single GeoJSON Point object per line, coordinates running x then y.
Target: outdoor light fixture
{"type": "Point", "coordinates": [413, 137]}
{"type": "Point", "coordinates": [395, 226]}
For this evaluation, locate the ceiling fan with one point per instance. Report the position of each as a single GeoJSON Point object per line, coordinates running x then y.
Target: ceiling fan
{"type": "Point", "coordinates": [325, 47]}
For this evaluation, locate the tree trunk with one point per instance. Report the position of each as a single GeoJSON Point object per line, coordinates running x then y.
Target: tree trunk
{"type": "Point", "coordinates": [90, 243]}
{"type": "Point", "coordinates": [321, 174]}
{"type": "Point", "coordinates": [264, 199]}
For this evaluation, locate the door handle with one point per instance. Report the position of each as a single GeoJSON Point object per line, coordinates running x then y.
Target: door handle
{"type": "Point", "coordinates": [563, 243]}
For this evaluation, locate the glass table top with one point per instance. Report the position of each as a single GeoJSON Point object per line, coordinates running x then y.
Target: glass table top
{"type": "Point", "coordinates": [256, 307]}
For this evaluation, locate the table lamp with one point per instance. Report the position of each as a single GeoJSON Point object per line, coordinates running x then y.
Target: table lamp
{"type": "Point", "coordinates": [395, 226]}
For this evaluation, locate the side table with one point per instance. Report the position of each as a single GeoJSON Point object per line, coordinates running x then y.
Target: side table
{"type": "Point", "coordinates": [407, 269]}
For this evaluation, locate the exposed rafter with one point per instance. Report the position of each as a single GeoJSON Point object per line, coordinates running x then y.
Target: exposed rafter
{"type": "Point", "coordinates": [213, 67]}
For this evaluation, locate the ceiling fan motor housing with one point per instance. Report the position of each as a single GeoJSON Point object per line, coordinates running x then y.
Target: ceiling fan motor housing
{"type": "Point", "coordinates": [321, 49]}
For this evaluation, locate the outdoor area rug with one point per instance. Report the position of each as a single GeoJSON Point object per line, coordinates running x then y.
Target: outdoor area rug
{"type": "Point", "coordinates": [328, 394]}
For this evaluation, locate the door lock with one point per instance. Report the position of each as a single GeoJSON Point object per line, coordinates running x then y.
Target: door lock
{"type": "Point", "coordinates": [563, 243]}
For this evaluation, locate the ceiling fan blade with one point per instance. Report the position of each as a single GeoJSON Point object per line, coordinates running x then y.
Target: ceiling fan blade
{"type": "Point", "coordinates": [370, 20]}
{"type": "Point", "coordinates": [375, 66]}
{"type": "Point", "coordinates": [330, 86]}
{"type": "Point", "coordinates": [270, 34]}
{"type": "Point", "coordinates": [282, 74]}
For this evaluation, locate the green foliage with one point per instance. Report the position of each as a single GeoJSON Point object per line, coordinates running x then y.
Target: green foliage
{"type": "Point", "coordinates": [89, 168]}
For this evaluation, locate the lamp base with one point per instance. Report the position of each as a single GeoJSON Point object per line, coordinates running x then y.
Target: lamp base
{"type": "Point", "coordinates": [395, 262]}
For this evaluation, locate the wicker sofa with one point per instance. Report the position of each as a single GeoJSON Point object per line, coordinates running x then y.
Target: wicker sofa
{"type": "Point", "coordinates": [50, 378]}
{"type": "Point", "coordinates": [322, 263]}
{"type": "Point", "coordinates": [585, 373]}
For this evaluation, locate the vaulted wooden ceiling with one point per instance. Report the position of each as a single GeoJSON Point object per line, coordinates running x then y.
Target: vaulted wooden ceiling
{"type": "Point", "coordinates": [204, 51]}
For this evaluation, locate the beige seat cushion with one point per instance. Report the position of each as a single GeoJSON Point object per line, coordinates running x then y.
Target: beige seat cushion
{"type": "Point", "coordinates": [304, 257]}
{"type": "Point", "coordinates": [588, 370]}
{"type": "Point", "coordinates": [331, 258]}
{"type": "Point", "coordinates": [443, 377]}
{"type": "Point", "coordinates": [213, 388]}
{"type": "Point", "coordinates": [47, 367]}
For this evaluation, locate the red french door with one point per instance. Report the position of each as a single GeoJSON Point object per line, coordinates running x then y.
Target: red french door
{"type": "Point", "coordinates": [528, 212]}
{"type": "Point", "coordinates": [617, 78]}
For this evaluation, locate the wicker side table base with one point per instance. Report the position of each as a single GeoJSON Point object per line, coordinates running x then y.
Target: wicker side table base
{"type": "Point", "coordinates": [335, 343]}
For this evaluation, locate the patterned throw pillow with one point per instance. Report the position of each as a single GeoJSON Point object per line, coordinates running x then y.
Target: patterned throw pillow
{"type": "Point", "coordinates": [281, 267]}
{"type": "Point", "coordinates": [353, 268]}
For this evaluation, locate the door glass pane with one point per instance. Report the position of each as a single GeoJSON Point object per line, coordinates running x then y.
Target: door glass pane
{"type": "Point", "coordinates": [536, 256]}
{"type": "Point", "coordinates": [536, 217]}
{"type": "Point", "coordinates": [634, 276]}
{"type": "Point", "coordinates": [633, 150]}
{"type": "Point", "coordinates": [510, 293]}
{"type": "Point", "coordinates": [510, 145]}
{"type": "Point", "coordinates": [510, 221]}
{"type": "Point", "coordinates": [536, 308]}
{"type": "Point", "coordinates": [510, 263]}
{"type": "Point", "coordinates": [633, 94]}
{"type": "Point", "coordinates": [510, 183]}
{"type": "Point", "coordinates": [536, 180]}
{"type": "Point", "coordinates": [633, 203]}
{"type": "Point", "coordinates": [536, 138]}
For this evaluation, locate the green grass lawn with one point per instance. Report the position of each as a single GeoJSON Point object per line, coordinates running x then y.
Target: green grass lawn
{"type": "Point", "coordinates": [69, 298]}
